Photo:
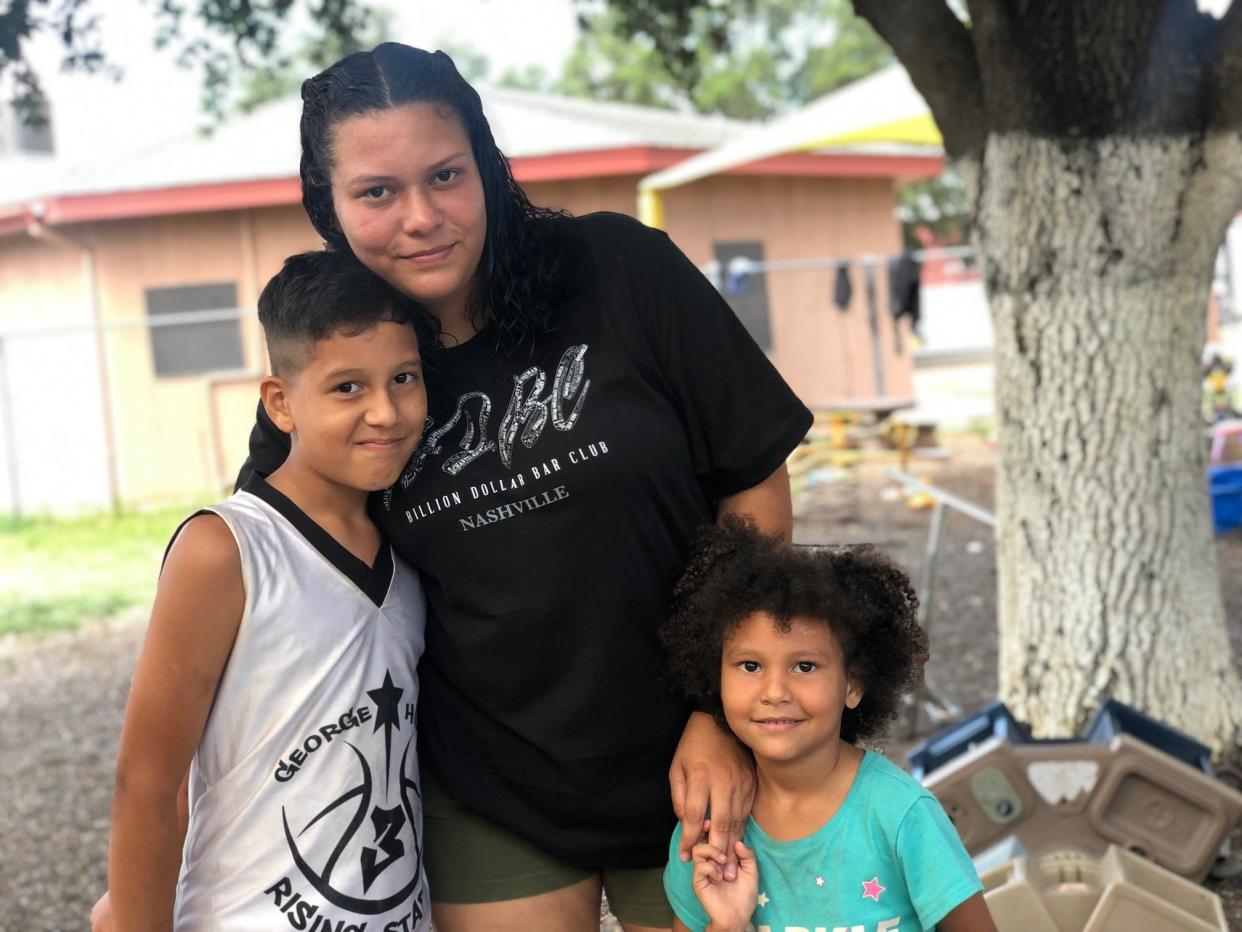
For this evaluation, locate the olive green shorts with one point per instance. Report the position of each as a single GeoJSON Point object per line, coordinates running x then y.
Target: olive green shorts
{"type": "Point", "coordinates": [471, 860]}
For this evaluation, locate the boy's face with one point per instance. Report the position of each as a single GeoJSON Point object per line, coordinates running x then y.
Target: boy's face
{"type": "Point", "coordinates": [783, 692]}
{"type": "Point", "coordinates": [356, 410]}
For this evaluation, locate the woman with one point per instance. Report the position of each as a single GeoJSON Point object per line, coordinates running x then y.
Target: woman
{"type": "Point", "coordinates": [592, 401]}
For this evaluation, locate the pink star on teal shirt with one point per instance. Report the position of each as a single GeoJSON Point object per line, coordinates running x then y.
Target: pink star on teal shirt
{"type": "Point", "coordinates": [873, 888]}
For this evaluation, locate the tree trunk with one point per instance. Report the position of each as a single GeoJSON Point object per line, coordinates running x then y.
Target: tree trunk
{"type": "Point", "coordinates": [1097, 257]}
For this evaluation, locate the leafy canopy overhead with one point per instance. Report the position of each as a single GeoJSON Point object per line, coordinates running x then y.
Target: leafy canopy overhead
{"type": "Point", "coordinates": [741, 58]}
{"type": "Point", "coordinates": [746, 59]}
{"type": "Point", "coordinates": [223, 37]}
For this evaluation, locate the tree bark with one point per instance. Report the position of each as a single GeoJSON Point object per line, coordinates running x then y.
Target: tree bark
{"type": "Point", "coordinates": [1097, 258]}
{"type": "Point", "coordinates": [1104, 168]}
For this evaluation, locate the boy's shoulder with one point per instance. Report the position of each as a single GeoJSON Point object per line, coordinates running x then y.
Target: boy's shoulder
{"type": "Point", "coordinates": [203, 542]}
{"type": "Point", "coordinates": [212, 537]}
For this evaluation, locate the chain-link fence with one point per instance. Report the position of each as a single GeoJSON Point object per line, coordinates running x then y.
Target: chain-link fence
{"type": "Point", "coordinates": [98, 413]}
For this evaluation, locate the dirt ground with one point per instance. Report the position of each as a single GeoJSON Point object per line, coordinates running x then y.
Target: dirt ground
{"type": "Point", "coordinates": [61, 696]}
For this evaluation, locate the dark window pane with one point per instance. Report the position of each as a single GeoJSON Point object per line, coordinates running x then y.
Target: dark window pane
{"type": "Point", "coordinates": [187, 349]}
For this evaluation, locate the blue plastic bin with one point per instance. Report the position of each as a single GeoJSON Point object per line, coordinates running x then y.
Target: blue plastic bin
{"type": "Point", "coordinates": [1115, 718]}
{"type": "Point", "coordinates": [994, 720]}
{"type": "Point", "coordinates": [1225, 486]}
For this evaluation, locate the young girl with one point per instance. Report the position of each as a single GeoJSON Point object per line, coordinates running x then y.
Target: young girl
{"type": "Point", "coordinates": [803, 654]}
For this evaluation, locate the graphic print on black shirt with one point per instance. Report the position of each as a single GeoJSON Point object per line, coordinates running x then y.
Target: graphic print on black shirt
{"type": "Point", "coordinates": [533, 407]}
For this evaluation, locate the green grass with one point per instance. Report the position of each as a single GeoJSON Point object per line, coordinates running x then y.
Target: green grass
{"type": "Point", "coordinates": [56, 573]}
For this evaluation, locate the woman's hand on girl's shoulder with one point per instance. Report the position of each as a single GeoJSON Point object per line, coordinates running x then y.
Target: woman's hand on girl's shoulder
{"type": "Point", "coordinates": [711, 773]}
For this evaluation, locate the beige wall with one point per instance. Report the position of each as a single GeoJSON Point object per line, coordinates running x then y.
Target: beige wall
{"type": "Point", "coordinates": [53, 443]}
{"type": "Point", "coordinates": [186, 435]}
{"type": "Point", "coordinates": [825, 354]}
{"type": "Point", "coordinates": [41, 284]}
{"type": "Point", "coordinates": [164, 442]}
{"type": "Point", "coordinates": [172, 436]}
{"type": "Point", "coordinates": [187, 432]}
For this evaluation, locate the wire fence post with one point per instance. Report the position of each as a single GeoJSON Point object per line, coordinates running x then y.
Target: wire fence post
{"type": "Point", "coordinates": [939, 705]}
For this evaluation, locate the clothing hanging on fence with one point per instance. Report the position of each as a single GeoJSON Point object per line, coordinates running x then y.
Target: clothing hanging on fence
{"type": "Point", "coordinates": [873, 322]}
{"type": "Point", "coordinates": [737, 274]}
{"type": "Point", "coordinates": [903, 293]}
{"type": "Point", "coordinates": [903, 285]}
{"type": "Point", "coordinates": [843, 288]}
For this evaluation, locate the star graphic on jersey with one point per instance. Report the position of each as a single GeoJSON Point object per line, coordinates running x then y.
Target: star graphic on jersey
{"type": "Point", "coordinates": [873, 888]}
{"type": "Point", "coordinates": [387, 715]}
{"type": "Point", "coordinates": [819, 881]}
{"type": "Point", "coordinates": [762, 900]}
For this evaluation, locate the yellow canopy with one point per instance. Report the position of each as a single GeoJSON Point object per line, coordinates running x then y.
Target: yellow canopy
{"type": "Point", "coordinates": [880, 109]}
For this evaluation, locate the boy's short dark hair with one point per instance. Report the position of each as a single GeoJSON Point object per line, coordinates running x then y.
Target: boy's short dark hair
{"type": "Point", "coordinates": [735, 571]}
{"type": "Point", "coordinates": [317, 294]}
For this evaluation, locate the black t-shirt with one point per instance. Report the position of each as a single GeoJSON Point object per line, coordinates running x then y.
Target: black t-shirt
{"type": "Point", "coordinates": [549, 509]}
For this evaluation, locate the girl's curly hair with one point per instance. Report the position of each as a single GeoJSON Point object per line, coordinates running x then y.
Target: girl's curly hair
{"type": "Point", "coordinates": [735, 571]}
{"type": "Point", "coordinates": [523, 252]}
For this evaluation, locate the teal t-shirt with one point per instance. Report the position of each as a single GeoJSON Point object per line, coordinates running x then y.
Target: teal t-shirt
{"type": "Point", "coordinates": [888, 861]}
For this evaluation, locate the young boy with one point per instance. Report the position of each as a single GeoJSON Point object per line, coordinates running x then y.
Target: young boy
{"type": "Point", "coordinates": [279, 666]}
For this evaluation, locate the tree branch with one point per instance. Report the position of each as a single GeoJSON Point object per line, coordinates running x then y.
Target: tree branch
{"type": "Point", "coordinates": [1227, 70]}
{"type": "Point", "coordinates": [936, 50]}
{"type": "Point", "coordinates": [1069, 69]}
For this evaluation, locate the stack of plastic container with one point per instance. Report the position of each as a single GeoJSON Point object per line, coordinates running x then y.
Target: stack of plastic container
{"type": "Point", "coordinates": [1105, 833]}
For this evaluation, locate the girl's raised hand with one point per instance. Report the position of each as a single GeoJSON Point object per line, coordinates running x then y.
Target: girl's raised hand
{"type": "Point", "coordinates": [728, 903]}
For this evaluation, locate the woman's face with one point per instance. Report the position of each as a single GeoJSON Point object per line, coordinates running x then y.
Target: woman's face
{"type": "Point", "coordinates": [409, 199]}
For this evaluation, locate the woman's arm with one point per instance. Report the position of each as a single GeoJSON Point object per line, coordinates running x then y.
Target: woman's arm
{"type": "Point", "coordinates": [968, 916]}
{"type": "Point", "coordinates": [711, 771]}
{"type": "Point", "coordinates": [198, 607]}
{"type": "Point", "coordinates": [769, 503]}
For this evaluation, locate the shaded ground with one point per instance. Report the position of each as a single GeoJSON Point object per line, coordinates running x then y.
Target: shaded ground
{"type": "Point", "coordinates": [61, 695]}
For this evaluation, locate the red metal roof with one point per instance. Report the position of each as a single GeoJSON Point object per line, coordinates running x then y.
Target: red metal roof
{"type": "Point", "coordinates": [633, 160]}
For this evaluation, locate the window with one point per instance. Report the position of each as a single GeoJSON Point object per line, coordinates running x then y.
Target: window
{"type": "Point", "coordinates": [746, 290]}
{"type": "Point", "coordinates": [192, 348]}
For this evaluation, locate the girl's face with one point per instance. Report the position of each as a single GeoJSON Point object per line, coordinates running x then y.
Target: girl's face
{"type": "Point", "coordinates": [409, 199]}
{"type": "Point", "coordinates": [784, 692]}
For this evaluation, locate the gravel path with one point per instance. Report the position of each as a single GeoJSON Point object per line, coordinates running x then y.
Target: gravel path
{"type": "Point", "coordinates": [60, 716]}
{"type": "Point", "coordinates": [61, 696]}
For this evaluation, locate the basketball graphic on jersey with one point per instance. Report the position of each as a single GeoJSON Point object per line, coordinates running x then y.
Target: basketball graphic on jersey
{"type": "Point", "coordinates": [357, 843]}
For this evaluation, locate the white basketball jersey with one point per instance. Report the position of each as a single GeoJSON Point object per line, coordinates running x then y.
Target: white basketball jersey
{"type": "Point", "coordinates": [305, 810]}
